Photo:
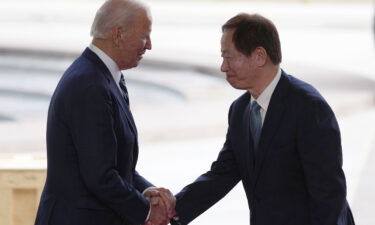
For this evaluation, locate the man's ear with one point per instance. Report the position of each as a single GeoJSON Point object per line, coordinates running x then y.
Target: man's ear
{"type": "Point", "coordinates": [116, 35]}
{"type": "Point", "coordinates": [260, 56]}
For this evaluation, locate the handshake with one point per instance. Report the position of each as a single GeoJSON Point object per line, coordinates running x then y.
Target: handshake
{"type": "Point", "coordinates": [162, 204]}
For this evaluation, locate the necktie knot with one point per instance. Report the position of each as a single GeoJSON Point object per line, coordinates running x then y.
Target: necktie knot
{"type": "Point", "coordinates": [123, 88]}
{"type": "Point", "coordinates": [255, 106]}
{"type": "Point", "coordinates": [122, 81]}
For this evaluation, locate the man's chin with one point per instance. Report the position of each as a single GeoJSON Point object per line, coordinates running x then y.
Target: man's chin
{"type": "Point", "coordinates": [129, 66]}
{"type": "Point", "coordinates": [236, 86]}
{"type": "Point", "coordinates": [139, 59]}
{"type": "Point", "coordinates": [232, 83]}
{"type": "Point", "coordinates": [136, 63]}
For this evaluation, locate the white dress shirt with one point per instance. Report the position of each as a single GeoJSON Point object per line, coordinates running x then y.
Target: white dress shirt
{"type": "Point", "coordinates": [264, 98]}
{"type": "Point", "coordinates": [109, 63]}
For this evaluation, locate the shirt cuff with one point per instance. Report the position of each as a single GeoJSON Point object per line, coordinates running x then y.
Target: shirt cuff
{"type": "Point", "coordinates": [143, 193]}
{"type": "Point", "coordinates": [149, 213]}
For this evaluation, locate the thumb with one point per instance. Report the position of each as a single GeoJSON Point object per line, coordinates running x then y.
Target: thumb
{"type": "Point", "coordinates": [151, 193]}
{"type": "Point", "coordinates": [154, 201]}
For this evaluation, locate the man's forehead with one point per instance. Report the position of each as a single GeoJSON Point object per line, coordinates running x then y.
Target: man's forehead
{"type": "Point", "coordinates": [226, 45]}
{"type": "Point", "coordinates": [226, 39]}
{"type": "Point", "coordinates": [148, 15]}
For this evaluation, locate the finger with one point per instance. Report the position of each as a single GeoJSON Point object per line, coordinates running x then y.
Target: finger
{"type": "Point", "coordinates": [163, 207]}
{"type": "Point", "coordinates": [172, 200]}
{"type": "Point", "coordinates": [151, 193]}
{"type": "Point", "coordinates": [166, 202]}
{"type": "Point", "coordinates": [160, 215]}
{"type": "Point", "coordinates": [155, 200]}
{"type": "Point", "coordinates": [168, 198]}
{"type": "Point", "coordinates": [167, 193]}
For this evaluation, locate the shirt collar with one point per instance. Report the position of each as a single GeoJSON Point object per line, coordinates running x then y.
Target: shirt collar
{"type": "Point", "coordinates": [265, 97]}
{"type": "Point", "coordinates": [108, 62]}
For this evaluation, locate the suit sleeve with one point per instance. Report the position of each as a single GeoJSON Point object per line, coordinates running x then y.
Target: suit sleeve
{"type": "Point", "coordinates": [94, 137]}
{"type": "Point", "coordinates": [210, 187]}
{"type": "Point", "coordinates": [319, 146]}
{"type": "Point", "coordinates": [141, 183]}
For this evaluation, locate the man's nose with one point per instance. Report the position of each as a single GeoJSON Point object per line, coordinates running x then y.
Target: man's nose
{"type": "Point", "coordinates": [224, 67]}
{"type": "Point", "coordinates": [148, 45]}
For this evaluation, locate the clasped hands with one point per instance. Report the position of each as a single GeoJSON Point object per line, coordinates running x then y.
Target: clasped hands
{"type": "Point", "coordinates": [162, 206]}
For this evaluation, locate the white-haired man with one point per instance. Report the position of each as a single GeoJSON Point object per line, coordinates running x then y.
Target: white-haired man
{"type": "Point", "coordinates": [92, 145]}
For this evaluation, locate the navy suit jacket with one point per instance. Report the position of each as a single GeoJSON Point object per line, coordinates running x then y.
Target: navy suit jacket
{"type": "Point", "coordinates": [92, 150]}
{"type": "Point", "coordinates": [296, 177]}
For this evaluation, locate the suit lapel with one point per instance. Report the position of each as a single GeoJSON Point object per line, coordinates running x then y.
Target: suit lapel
{"type": "Point", "coordinates": [272, 121]}
{"type": "Point", "coordinates": [125, 108]}
{"type": "Point", "coordinates": [113, 87]}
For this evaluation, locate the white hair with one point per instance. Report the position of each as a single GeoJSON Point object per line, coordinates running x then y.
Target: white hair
{"type": "Point", "coordinates": [115, 13]}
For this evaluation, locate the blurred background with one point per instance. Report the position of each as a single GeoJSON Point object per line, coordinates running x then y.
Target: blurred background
{"type": "Point", "coordinates": [178, 95]}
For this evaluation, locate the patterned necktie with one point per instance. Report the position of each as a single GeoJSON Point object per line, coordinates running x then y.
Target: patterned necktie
{"type": "Point", "coordinates": [255, 123]}
{"type": "Point", "coordinates": [124, 89]}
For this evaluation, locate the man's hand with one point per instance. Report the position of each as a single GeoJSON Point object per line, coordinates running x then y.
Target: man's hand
{"type": "Point", "coordinates": [158, 215]}
{"type": "Point", "coordinates": [167, 197]}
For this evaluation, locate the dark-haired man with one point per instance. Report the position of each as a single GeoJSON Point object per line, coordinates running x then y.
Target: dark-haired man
{"type": "Point", "coordinates": [283, 140]}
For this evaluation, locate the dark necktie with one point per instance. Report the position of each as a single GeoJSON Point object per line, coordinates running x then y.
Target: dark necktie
{"type": "Point", "coordinates": [124, 89]}
{"type": "Point", "coordinates": [255, 123]}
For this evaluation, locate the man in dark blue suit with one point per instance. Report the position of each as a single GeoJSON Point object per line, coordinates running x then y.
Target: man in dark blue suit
{"type": "Point", "coordinates": [283, 140]}
{"type": "Point", "coordinates": [92, 145]}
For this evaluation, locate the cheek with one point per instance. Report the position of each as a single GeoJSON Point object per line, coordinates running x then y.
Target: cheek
{"type": "Point", "coordinates": [140, 42]}
{"type": "Point", "coordinates": [139, 46]}
{"type": "Point", "coordinates": [238, 66]}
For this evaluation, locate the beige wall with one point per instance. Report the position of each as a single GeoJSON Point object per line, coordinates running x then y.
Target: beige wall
{"type": "Point", "coordinates": [19, 195]}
